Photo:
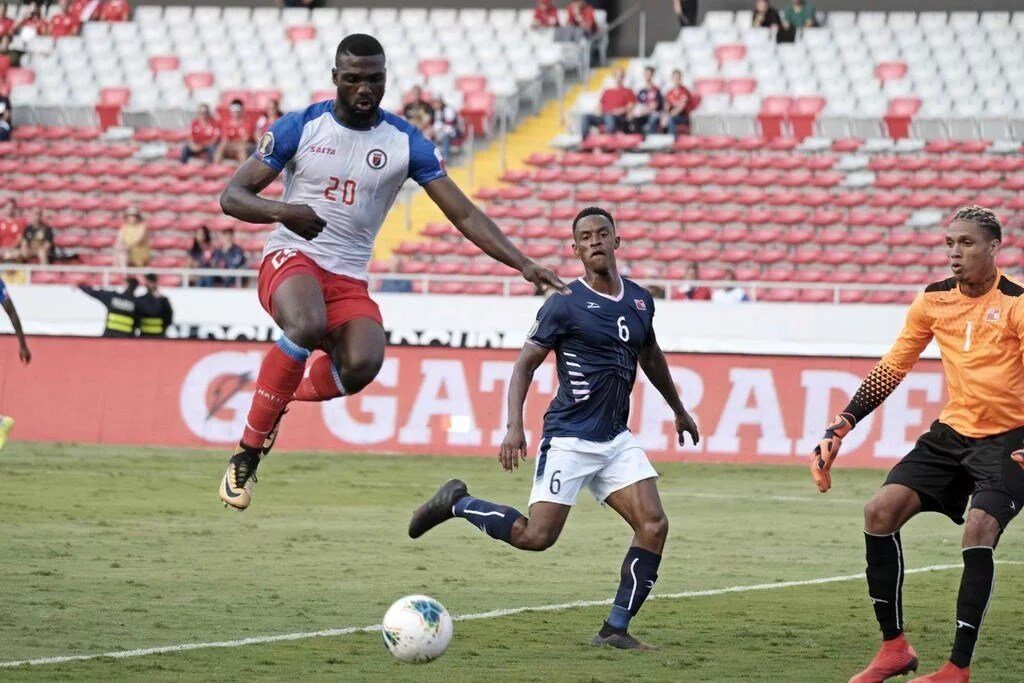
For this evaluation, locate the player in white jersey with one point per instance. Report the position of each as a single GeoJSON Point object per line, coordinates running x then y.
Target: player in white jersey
{"type": "Point", "coordinates": [344, 162]}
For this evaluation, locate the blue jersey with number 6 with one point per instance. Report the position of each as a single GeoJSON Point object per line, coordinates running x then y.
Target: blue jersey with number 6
{"type": "Point", "coordinates": [597, 340]}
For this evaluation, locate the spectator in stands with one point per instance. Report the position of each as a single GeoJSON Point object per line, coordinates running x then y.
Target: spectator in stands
{"type": "Point", "coordinates": [235, 135]}
{"type": "Point", "coordinates": [796, 16]}
{"type": "Point", "coordinates": [417, 110]}
{"type": "Point", "coordinates": [447, 127]}
{"type": "Point", "coordinates": [11, 50]}
{"type": "Point", "coordinates": [545, 14]}
{"type": "Point", "coordinates": [11, 228]}
{"type": "Point", "coordinates": [132, 245]}
{"type": "Point", "coordinates": [730, 295]}
{"type": "Point", "coordinates": [766, 16]}
{"type": "Point", "coordinates": [686, 12]}
{"type": "Point", "coordinates": [6, 23]}
{"type": "Point", "coordinates": [200, 254]}
{"type": "Point", "coordinates": [64, 23]}
{"type": "Point", "coordinates": [36, 241]}
{"type": "Point", "coordinates": [581, 15]}
{"type": "Point", "coordinates": [616, 103]}
{"type": "Point", "coordinates": [692, 291]}
{"type": "Point", "coordinates": [6, 126]}
{"type": "Point", "coordinates": [115, 10]}
{"type": "Point", "coordinates": [33, 24]}
{"type": "Point", "coordinates": [679, 102]}
{"type": "Point", "coordinates": [203, 135]}
{"type": "Point", "coordinates": [646, 114]}
{"type": "Point", "coordinates": [228, 256]}
{"type": "Point", "coordinates": [270, 114]}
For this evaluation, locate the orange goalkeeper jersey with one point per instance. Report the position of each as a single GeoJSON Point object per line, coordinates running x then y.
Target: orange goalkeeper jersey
{"type": "Point", "coordinates": [980, 343]}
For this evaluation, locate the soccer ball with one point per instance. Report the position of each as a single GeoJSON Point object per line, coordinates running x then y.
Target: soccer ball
{"type": "Point", "coordinates": [417, 629]}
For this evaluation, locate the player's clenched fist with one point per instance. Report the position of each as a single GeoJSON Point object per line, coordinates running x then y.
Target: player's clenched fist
{"type": "Point", "coordinates": [828, 448]}
{"type": "Point", "coordinates": [513, 449]}
{"type": "Point", "coordinates": [302, 220]}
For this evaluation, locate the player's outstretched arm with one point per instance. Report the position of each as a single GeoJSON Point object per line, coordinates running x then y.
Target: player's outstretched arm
{"type": "Point", "coordinates": [484, 233]}
{"type": "Point", "coordinates": [513, 447]}
{"type": "Point", "coordinates": [241, 200]}
{"type": "Point", "coordinates": [655, 366]}
{"type": "Point", "coordinates": [876, 387]}
{"type": "Point", "coordinates": [23, 353]}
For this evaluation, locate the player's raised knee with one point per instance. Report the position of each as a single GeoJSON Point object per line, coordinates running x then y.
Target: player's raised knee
{"type": "Point", "coordinates": [305, 330]}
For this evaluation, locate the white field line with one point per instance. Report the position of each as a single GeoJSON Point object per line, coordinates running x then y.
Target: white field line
{"type": "Point", "coordinates": [754, 498]}
{"type": "Point", "coordinates": [493, 614]}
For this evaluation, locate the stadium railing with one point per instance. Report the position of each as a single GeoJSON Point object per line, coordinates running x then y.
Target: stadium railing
{"type": "Point", "coordinates": [426, 283]}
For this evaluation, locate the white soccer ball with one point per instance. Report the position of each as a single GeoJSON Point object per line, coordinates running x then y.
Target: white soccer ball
{"type": "Point", "coordinates": [417, 629]}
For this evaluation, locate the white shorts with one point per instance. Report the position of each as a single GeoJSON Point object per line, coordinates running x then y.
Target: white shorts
{"type": "Point", "coordinates": [565, 464]}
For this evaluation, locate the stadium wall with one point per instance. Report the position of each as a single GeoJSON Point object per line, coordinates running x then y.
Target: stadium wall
{"type": "Point", "coordinates": [500, 322]}
{"type": "Point", "coordinates": [751, 409]}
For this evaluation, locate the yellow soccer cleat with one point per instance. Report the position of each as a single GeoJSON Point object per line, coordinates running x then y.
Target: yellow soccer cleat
{"type": "Point", "coordinates": [6, 423]}
{"type": "Point", "coordinates": [236, 487]}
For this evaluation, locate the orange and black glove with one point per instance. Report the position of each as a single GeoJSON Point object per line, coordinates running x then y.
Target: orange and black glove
{"type": "Point", "coordinates": [828, 448]}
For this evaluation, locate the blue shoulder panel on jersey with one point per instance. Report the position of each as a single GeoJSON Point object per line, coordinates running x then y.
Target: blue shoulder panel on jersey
{"type": "Point", "coordinates": [552, 322]}
{"type": "Point", "coordinates": [279, 144]}
{"type": "Point", "coordinates": [425, 163]}
{"type": "Point", "coordinates": [3, 292]}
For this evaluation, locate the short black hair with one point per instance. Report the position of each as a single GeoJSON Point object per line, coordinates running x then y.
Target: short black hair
{"type": "Point", "coordinates": [985, 219]}
{"type": "Point", "coordinates": [359, 45]}
{"type": "Point", "coordinates": [131, 283]}
{"type": "Point", "coordinates": [151, 278]}
{"type": "Point", "coordinates": [592, 211]}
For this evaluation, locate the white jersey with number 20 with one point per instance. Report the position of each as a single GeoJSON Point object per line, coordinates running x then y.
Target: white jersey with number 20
{"type": "Point", "coordinates": [350, 177]}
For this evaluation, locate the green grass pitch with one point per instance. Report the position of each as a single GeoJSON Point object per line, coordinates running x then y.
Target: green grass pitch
{"type": "Point", "coordinates": [105, 549]}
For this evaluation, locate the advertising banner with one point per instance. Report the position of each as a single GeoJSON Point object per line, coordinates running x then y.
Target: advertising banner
{"type": "Point", "coordinates": [433, 400]}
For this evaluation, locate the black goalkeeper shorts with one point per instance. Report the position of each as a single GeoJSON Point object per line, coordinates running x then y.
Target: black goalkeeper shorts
{"type": "Point", "coordinates": [946, 469]}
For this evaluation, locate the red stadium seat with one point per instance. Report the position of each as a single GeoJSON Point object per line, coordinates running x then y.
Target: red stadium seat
{"type": "Point", "coordinates": [899, 114]}
{"type": "Point", "coordinates": [890, 71]}
{"type": "Point", "coordinates": [709, 86]}
{"type": "Point", "coordinates": [159, 63]}
{"type": "Point", "coordinates": [20, 76]}
{"type": "Point", "coordinates": [434, 67]}
{"type": "Point", "coordinates": [731, 52]}
{"type": "Point", "coordinates": [468, 84]}
{"type": "Point", "coordinates": [298, 34]}
{"type": "Point", "coordinates": [198, 80]}
{"type": "Point", "coordinates": [741, 86]}
{"type": "Point", "coordinates": [803, 113]}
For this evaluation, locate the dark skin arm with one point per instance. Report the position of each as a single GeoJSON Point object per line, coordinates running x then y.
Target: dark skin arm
{"type": "Point", "coordinates": [654, 365]}
{"type": "Point", "coordinates": [23, 353]}
{"type": "Point", "coordinates": [241, 200]}
{"type": "Point", "coordinates": [513, 447]}
{"type": "Point", "coordinates": [482, 231]}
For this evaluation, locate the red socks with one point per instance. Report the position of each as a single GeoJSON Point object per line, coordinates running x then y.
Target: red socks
{"type": "Point", "coordinates": [321, 382]}
{"type": "Point", "coordinates": [280, 374]}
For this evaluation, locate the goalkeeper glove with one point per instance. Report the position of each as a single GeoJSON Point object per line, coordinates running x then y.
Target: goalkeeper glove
{"type": "Point", "coordinates": [828, 448]}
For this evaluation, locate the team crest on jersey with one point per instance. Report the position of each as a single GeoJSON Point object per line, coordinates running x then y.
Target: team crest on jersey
{"type": "Point", "coordinates": [265, 147]}
{"type": "Point", "coordinates": [992, 315]}
{"type": "Point", "coordinates": [641, 305]}
{"type": "Point", "coordinates": [376, 159]}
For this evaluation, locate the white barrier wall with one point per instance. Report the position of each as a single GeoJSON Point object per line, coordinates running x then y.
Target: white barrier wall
{"type": "Point", "coordinates": [501, 322]}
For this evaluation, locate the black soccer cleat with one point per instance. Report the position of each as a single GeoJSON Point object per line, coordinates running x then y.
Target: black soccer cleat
{"type": "Point", "coordinates": [609, 636]}
{"type": "Point", "coordinates": [438, 509]}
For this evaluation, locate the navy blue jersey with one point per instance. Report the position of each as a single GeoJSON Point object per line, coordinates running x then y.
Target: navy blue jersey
{"type": "Point", "coordinates": [597, 340]}
{"type": "Point", "coordinates": [3, 292]}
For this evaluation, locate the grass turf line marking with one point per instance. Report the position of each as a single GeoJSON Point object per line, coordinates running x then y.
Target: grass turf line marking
{"type": "Point", "coordinates": [492, 614]}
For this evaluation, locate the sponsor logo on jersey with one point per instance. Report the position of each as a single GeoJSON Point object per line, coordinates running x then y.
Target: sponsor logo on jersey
{"type": "Point", "coordinates": [316, 149]}
{"type": "Point", "coordinates": [592, 304]}
{"type": "Point", "coordinates": [641, 305]}
{"type": "Point", "coordinates": [376, 159]}
{"type": "Point", "coordinates": [992, 315]}
{"type": "Point", "coordinates": [265, 147]}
